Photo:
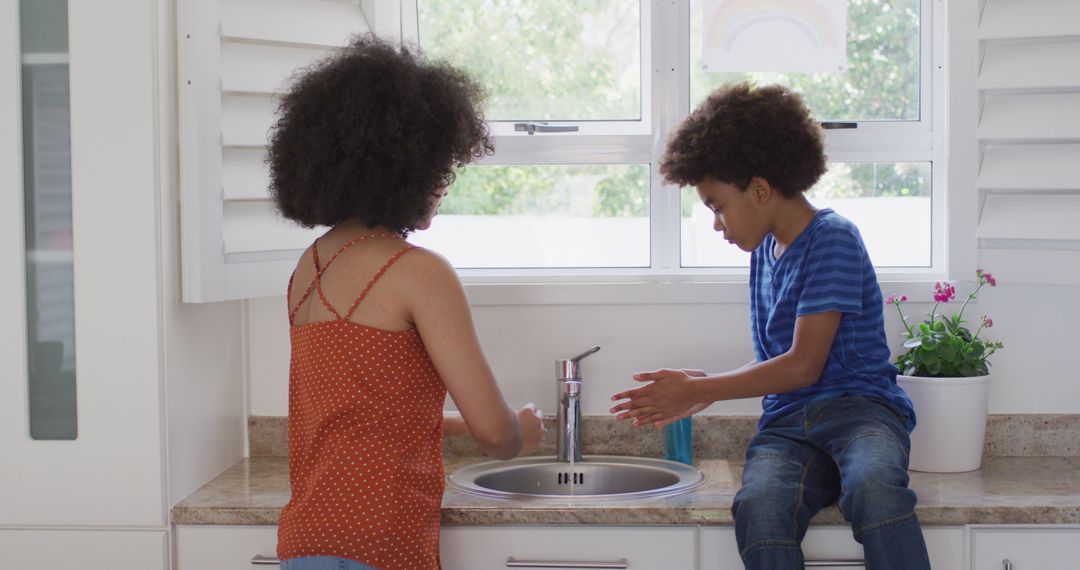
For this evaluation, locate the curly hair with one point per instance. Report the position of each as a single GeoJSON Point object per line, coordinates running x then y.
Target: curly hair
{"type": "Point", "coordinates": [371, 134]}
{"type": "Point", "coordinates": [740, 132]}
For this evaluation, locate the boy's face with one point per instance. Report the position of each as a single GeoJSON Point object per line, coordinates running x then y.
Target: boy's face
{"type": "Point", "coordinates": [737, 214]}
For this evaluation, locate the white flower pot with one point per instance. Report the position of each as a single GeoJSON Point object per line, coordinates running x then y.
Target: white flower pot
{"type": "Point", "coordinates": [950, 423]}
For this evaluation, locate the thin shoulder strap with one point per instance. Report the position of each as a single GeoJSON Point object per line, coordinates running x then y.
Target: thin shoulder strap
{"type": "Point", "coordinates": [316, 283]}
{"type": "Point", "coordinates": [376, 277]}
{"type": "Point", "coordinates": [319, 272]}
{"type": "Point", "coordinates": [311, 286]}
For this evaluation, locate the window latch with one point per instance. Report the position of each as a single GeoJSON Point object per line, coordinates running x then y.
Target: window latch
{"type": "Point", "coordinates": [533, 128]}
{"type": "Point", "coordinates": [830, 125]}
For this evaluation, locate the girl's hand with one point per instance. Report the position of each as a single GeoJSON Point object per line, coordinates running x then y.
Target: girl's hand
{"type": "Point", "coordinates": [531, 421]}
{"type": "Point", "coordinates": [668, 397]}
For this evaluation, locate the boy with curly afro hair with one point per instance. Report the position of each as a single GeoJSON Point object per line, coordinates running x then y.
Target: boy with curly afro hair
{"type": "Point", "coordinates": [380, 330]}
{"type": "Point", "coordinates": [835, 424]}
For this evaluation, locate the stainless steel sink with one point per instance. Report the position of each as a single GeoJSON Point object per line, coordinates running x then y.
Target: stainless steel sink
{"type": "Point", "coordinates": [595, 477]}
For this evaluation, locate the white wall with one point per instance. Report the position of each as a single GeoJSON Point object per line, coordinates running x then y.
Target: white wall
{"type": "Point", "coordinates": [1035, 373]}
{"type": "Point", "coordinates": [203, 343]}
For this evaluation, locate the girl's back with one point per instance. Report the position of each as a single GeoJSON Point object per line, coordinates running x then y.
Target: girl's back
{"type": "Point", "coordinates": [365, 409]}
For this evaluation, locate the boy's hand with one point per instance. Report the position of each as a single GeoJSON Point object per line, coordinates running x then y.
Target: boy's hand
{"type": "Point", "coordinates": [668, 397]}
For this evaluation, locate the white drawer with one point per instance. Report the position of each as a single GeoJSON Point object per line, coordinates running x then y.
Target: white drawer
{"type": "Point", "coordinates": [220, 547]}
{"type": "Point", "coordinates": [1025, 548]}
{"type": "Point", "coordinates": [642, 548]}
{"type": "Point", "coordinates": [831, 543]}
{"type": "Point", "coordinates": [83, 550]}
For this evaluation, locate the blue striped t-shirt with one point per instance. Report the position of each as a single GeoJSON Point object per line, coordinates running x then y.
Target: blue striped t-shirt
{"type": "Point", "coordinates": [826, 268]}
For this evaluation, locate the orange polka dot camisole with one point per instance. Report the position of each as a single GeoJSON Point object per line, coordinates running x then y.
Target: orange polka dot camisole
{"type": "Point", "coordinates": [365, 441]}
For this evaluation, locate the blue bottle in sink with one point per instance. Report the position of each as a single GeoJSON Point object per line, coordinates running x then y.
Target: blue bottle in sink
{"type": "Point", "coordinates": [679, 441]}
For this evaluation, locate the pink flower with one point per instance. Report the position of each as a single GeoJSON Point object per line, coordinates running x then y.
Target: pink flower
{"type": "Point", "coordinates": [987, 321]}
{"type": "Point", "coordinates": [985, 277]}
{"type": "Point", "coordinates": [944, 293]}
{"type": "Point", "coordinates": [895, 299]}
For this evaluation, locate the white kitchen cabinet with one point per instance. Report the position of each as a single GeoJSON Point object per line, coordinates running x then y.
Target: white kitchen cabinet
{"type": "Point", "coordinates": [1028, 547]}
{"type": "Point", "coordinates": [97, 496]}
{"type": "Point", "coordinates": [218, 547]}
{"type": "Point", "coordinates": [214, 547]}
{"type": "Point", "coordinates": [831, 543]}
{"type": "Point", "coordinates": [492, 547]}
{"type": "Point", "coordinates": [81, 549]}
{"type": "Point", "coordinates": [111, 473]}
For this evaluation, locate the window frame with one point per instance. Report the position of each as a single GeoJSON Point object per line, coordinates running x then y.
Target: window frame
{"type": "Point", "coordinates": [666, 86]}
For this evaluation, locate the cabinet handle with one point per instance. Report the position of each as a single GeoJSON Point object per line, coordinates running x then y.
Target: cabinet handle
{"type": "Point", "coordinates": [260, 560]}
{"type": "Point", "coordinates": [515, 563]}
{"type": "Point", "coordinates": [832, 563]}
{"type": "Point", "coordinates": [1006, 564]}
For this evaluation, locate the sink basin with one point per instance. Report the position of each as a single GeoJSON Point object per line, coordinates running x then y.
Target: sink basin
{"type": "Point", "coordinates": [595, 477]}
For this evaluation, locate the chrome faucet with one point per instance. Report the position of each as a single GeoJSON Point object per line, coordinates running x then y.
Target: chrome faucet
{"type": "Point", "coordinates": [568, 396]}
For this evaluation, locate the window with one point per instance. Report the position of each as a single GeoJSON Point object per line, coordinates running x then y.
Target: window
{"type": "Point", "coordinates": [560, 216]}
{"type": "Point", "coordinates": [584, 93]}
{"type": "Point", "coordinates": [543, 61]}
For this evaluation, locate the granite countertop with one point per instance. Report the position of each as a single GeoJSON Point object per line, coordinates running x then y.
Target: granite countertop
{"type": "Point", "coordinates": [1007, 490]}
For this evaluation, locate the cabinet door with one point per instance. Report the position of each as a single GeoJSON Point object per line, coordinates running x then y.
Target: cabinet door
{"type": "Point", "coordinates": [214, 547]}
{"type": "Point", "coordinates": [831, 543]}
{"type": "Point", "coordinates": [499, 547]}
{"type": "Point", "coordinates": [1025, 548]}
{"type": "Point", "coordinates": [83, 550]}
{"type": "Point", "coordinates": [111, 473]}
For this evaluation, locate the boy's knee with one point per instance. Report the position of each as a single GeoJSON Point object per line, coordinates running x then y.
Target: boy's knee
{"type": "Point", "coordinates": [762, 502]}
{"type": "Point", "coordinates": [880, 497]}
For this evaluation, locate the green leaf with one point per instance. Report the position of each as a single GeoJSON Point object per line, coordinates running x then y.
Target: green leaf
{"type": "Point", "coordinates": [913, 342]}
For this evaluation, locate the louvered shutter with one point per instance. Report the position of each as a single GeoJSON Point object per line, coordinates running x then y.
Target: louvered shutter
{"type": "Point", "coordinates": [235, 56]}
{"type": "Point", "coordinates": [1029, 140]}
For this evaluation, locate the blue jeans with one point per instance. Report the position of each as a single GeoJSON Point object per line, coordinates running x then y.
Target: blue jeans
{"type": "Point", "coordinates": [323, 563]}
{"type": "Point", "coordinates": [852, 450]}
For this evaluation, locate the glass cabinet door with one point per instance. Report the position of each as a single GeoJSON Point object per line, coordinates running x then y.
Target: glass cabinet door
{"type": "Point", "coordinates": [46, 145]}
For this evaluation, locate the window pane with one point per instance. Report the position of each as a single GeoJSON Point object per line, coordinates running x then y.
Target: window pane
{"type": "Point", "coordinates": [50, 280]}
{"type": "Point", "coordinates": [881, 82]}
{"type": "Point", "coordinates": [544, 216]}
{"type": "Point", "coordinates": [888, 201]}
{"type": "Point", "coordinates": [542, 60]}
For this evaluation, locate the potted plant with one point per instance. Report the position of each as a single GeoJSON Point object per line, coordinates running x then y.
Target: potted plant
{"type": "Point", "coordinates": [945, 370]}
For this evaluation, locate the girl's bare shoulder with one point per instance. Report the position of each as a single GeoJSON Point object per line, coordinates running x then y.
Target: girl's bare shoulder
{"type": "Point", "coordinates": [427, 267]}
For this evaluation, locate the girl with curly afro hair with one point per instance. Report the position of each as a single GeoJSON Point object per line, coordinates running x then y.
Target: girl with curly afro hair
{"type": "Point", "coordinates": [366, 143]}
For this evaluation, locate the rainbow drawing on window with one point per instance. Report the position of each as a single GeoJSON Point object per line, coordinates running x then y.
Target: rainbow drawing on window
{"type": "Point", "coordinates": [774, 35]}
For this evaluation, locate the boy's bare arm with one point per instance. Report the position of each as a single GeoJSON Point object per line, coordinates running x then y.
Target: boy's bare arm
{"type": "Point", "coordinates": [672, 394]}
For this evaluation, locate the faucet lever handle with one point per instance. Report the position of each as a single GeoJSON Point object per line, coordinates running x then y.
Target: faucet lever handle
{"type": "Point", "coordinates": [567, 369]}
{"type": "Point", "coordinates": [584, 354]}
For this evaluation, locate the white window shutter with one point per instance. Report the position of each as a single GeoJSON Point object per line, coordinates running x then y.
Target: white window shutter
{"type": "Point", "coordinates": [235, 57]}
{"type": "Point", "coordinates": [1029, 140]}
